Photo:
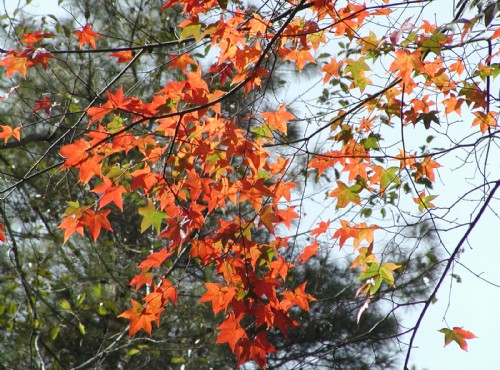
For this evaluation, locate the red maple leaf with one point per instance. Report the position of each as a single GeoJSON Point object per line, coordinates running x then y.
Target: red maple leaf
{"type": "Point", "coordinates": [155, 259]}
{"type": "Point", "coordinates": [75, 153]}
{"type": "Point", "coordinates": [254, 349]}
{"type": "Point", "coordinates": [110, 193]}
{"type": "Point", "coordinates": [141, 316]}
{"type": "Point", "coordinates": [86, 36]}
{"type": "Point", "coordinates": [44, 104]}
{"type": "Point", "coordinates": [2, 235]}
{"type": "Point", "coordinates": [144, 277]}
{"type": "Point", "coordinates": [220, 296]}
{"type": "Point", "coordinates": [123, 56]}
{"type": "Point", "coordinates": [231, 331]}
{"type": "Point", "coordinates": [308, 252]}
{"type": "Point", "coordinates": [96, 222]}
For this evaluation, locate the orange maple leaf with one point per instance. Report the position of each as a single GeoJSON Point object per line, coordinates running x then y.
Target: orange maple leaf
{"type": "Point", "coordinates": [86, 36]}
{"type": "Point", "coordinates": [345, 232]}
{"type": "Point", "coordinates": [298, 297]}
{"type": "Point", "coordinates": [71, 224]}
{"type": "Point", "coordinates": [123, 56]}
{"type": "Point", "coordinates": [426, 168]}
{"type": "Point", "coordinates": [8, 132]}
{"type": "Point", "coordinates": [15, 62]}
{"type": "Point", "coordinates": [308, 252]}
{"type": "Point", "coordinates": [145, 277]}
{"type": "Point", "coordinates": [321, 229]}
{"type": "Point", "coordinates": [163, 292]}
{"type": "Point", "coordinates": [220, 296]}
{"type": "Point", "coordinates": [34, 37]}
{"type": "Point", "coordinates": [75, 153]}
{"type": "Point", "coordinates": [405, 63]}
{"type": "Point", "coordinates": [181, 61]}
{"type": "Point", "coordinates": [278, 120]}
{"type": "Point", "coordinates": [485, 120]}
{"type": "Point", "coordinates": [141, 316]}
{"type": "Point", "coordinates": [301, 57]}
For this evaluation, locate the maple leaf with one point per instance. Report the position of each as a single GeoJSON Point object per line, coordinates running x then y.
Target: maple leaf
{"type": "Point", "coordinates": [277, 120]}
{"type": "Point", "coordinates": [145, 277]}
{"type": "Point", "coordinates": [279, 267]}
{"type": "Point", "coordinates": [356, 167]}
{"type": "Point", "coordinates": [155, 259]}
{"type": "Point", "coordinates": [426, 168]}
{"type": "Point", "coordinates": [299, 297]}
{"type": "Point", "coordinates": [86, 36]}
{"type": "Point", "coordinates": [321, 229]}
{"type": "Point", "coordinates": [181, 61]}
{"type": "Point", "coordinates": [220, 296]}
{"type": "Point", "coordinates": [405, 63]}
{"type": "Point", "coordinates": [96, 222]}
{"type": "Point", "coordinates": [75, 153]}
{"type": "Point", "coordinates": [89, 168]}
{"type": "Point", "coordinates": [15, 62]}
{"type": "Point", "coordinates": [346, 194]}
{"type": "Point", "coordinates": [34, 37]}
{"type": "Point", "coordinates": [268, 218]}
{"type": "Point", "coordinates": [308, 252]}
{"type": "Point", "coordinates": [115, 101]}
{"type": "Point", "coordinates": [385, 272]}
{"type": "Point", "coordinates": [141, 316]}
{"type": "Point", "coordinates": [71, 224]}
{"type": "Point", "coordinates": [8, 132]}
{"type": "Point", "coordinates": [485, 120]}
{"type": "Point", "coordinates": [254, 349]}
{"type": "Point", "coordinates": [301, 57]}
{"type": "Point", "coordinates": [424, 202]}
{"type": "Point", "coordinates": [151, 217]}
{"type": "Point", "coordinates": [363, 232]}
{"type": "Point", "coordinates": [331, 70]}
{"type": "Point", "coordinates": [44, 104]}
{"type": "Point", "coordinates": [231, 331]}
{"type": "Point", "coordinates": [365, 258]}
{"type": "Point", "coordinates": [345, 232]}
{"type": "Point", "coordinates": [123, 56]}
{"type": "Point", "coordinates": [110, 193]}
{"type": "Point", "coordinates": [2, 235]}
{"type": "Point", "coordinates": [457, 335]}
{"type": "Point", "coordinates": [287, 215]}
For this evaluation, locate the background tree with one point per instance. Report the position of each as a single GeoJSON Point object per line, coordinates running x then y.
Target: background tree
{"type": "Point", "coordinates": [170, 161]}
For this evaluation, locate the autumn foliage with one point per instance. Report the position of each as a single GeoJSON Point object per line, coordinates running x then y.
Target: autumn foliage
{"type": "Point", "coordinates": [190, 161]}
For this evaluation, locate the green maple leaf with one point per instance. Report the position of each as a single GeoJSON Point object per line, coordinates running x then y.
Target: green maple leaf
{"type": "Point", "coordinates": [151, 217]}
